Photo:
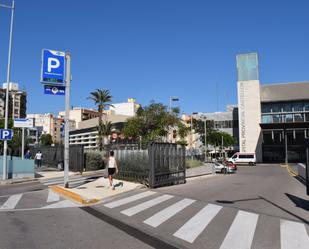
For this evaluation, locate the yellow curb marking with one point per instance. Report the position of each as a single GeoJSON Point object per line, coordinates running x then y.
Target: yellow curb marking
{"type": "Point", "coordinates": [72, 195]}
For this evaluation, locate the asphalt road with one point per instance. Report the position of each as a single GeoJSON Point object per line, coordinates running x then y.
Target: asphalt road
{"type": "Point", "coordinates": [264, 189]}
{"type": "Point", "coordinates": [253, 208]}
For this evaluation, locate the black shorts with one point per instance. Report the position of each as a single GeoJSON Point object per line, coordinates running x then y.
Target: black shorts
{"type": "Point", "coordinates": [111, 171]}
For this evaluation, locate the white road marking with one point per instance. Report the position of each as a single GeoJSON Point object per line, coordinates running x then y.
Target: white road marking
{"type": "Point", "coordinates": [11, 202]}
{"type": "Point", "coordinates": [129, 199]}
{"type": "Point", "coordinates": [293, 235]}
{"type": "Point", "coordinates": [62, 204]}
{"type": "Point", "coordinates": [143, 206]}
{"type": "Point", "coordinates": [241, 232]}
{"type": "Point", "coordinates": [168, 212]}
{"type": "Point", "coordinates": [193, 228]}
{"type": "Point", "coordinates": [52, 196]}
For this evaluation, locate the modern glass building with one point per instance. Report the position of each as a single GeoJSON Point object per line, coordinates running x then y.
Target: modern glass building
{"type": "Point", "coordinates": [284, 121]}
{"type": "Point", "coordinates": [273, 118]}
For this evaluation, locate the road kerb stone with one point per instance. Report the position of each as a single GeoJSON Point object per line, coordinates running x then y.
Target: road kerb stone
{"type": "Point", "coordinates": [75, 197]}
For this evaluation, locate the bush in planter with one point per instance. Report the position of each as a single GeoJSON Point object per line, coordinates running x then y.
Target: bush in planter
{"type": "Point", "coordinates": [94, 160]}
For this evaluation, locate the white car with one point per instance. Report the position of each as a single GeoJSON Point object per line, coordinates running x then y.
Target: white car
{"type": "Point", "coordinates": [221, 168]}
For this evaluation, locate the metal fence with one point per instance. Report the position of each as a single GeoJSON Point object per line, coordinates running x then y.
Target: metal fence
{"type": "Point", "coordinates": [160, 165]}
{"type": "Point", "coordinates": [53, 156]}
{"type": "Point", "coordinates": [166, 164]}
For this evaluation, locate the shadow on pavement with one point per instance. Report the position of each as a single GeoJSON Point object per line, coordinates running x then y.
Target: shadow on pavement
{"type": "Point", "coordinates": [232, 202]}
{"type": "Point", "coordinates": [299, 202]}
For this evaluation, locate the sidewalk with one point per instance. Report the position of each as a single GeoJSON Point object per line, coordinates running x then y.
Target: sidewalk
{"type": "Point", "coordinates": [97, 190]}
{"type": "Point", "coordinates": [206, 169]}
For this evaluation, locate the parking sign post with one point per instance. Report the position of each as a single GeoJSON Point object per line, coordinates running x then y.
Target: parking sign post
{"type": "Point", "coordinates": [66, 119]}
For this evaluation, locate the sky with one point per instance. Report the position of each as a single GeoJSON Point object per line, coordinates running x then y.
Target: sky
{"type": "Point", "coordinates": [153, 49]}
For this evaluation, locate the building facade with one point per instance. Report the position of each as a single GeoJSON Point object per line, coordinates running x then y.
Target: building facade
{"type": "Point", "coordinates": [273, 118]}
{"type": "Point", "coordinates": [79, 114]}
{"type": "Point", "coordinates": [17, 101]}
{"type": "Point", "coordinates": [128, 109]}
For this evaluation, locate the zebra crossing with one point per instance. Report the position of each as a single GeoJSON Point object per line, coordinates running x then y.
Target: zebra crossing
{"type": "Point", "coordinates": [240, 233]}
{"type": "Point", "coordinates": [43, 199]}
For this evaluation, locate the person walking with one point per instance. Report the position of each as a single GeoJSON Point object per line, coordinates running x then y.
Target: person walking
{"type": "Point", "coordinates": [28, 155]}
{"type": "Point", "coordinates": [112, 168]}
{"type": "Point", "coordinates": [38, 158]}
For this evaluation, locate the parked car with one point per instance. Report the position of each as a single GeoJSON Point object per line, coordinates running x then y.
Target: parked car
{"type": "Point", "coordinates": [243, 158]}
{"type": "Point", "coordinates": [230, 164]}
{"type": "Point", "coordinates": [221, 168]}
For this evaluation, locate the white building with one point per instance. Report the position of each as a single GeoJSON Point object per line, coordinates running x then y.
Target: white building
{"type": "Point", "coordinates": [128, 109]}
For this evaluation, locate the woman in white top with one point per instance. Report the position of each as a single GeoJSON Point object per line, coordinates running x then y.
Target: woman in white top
{"type": "Point", "coordinates": [112, 168]}
{"type": "Point", "coordinates": [38, 158]}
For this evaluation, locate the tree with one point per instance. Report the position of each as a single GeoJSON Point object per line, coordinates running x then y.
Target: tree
{"type": "Point", "coordinates": [214, 137]}
{"type": "Point", "coordinates": [105, 131]}
{"type": "Point", "coordinates": [46, 139]}
{"type": "Point", "coordinates": [102, 99]}
{"type": "Point", "coordinates": [153, 123]}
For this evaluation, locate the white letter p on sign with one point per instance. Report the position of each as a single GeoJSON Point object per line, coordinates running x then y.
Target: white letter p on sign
{"type": "Point", "coordinates": [52, 63]}
{"type": "Point", "coordinates": [6, 134]}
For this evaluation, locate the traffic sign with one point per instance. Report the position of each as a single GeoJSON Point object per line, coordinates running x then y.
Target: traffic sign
{"type": "Point", "coordinates": [54, 90]}
{"type": "Point", "coordinates": [23, 122]}
{"type": "Point", "coordinates": [6, 134]}
{"type": "Point", "coordinates": [53, 67]}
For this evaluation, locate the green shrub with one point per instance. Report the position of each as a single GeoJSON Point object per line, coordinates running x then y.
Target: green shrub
{"type": "Point", "coordinates": [94, 160]}
{"type": "Point", "coordinates": [193, 163]}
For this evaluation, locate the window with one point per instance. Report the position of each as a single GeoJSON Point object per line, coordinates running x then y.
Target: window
{"type": "Point", "coordinates": [297, 106]}
{"type": "Point", "coordinates": [276, 108]}
{"type": "Point", "coordinates": [306, 106]}
{"type": "Point", "coordinates": [267, 119]}
{"type": "Point", "coordinates": [288, 118]}
{"type": "Point", "coordinates": [266, 108]}
{"type": "Point", "coordinates": [307, 117]}
{"type": "Point", "coordinates": [298, 117]}
{"type": "Point", "coordinates": [276, 118]}
{"type": "Point", "coordinates": [286, 107]}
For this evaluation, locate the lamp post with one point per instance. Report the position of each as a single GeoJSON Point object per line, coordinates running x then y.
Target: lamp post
{"type": "Point", "coordinates": [205, 139]}
{"type": "Point", "coordinates": [193, 113]}
{"type": "Point", "coordinates": [172, 99]}
{"type": "Point", "coordinates": [8, 79]}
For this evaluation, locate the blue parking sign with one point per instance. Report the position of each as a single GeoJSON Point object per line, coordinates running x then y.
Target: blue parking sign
{"type": "Point", "coordinates": [53, 67]}
{"type": "Point", "coordinates": [6, 134]}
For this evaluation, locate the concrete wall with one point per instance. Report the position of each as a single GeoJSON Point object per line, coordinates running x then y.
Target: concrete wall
{"type": "Point", "coordinates": [249, 114]}
{"type": "Point", "coordinates": [18, 168]}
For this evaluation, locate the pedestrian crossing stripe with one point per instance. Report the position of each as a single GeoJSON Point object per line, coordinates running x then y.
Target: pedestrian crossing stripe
{"type": "Point", "coordinates": [168, 212]}
{"type": "Point", "coordinates": [193, 228]}
{"type": "Point", "coordinates": [11, 202]}
{"type": "Point", "coordinates": [293, 235]}
{"type": "Point", "coordinates": [143, 206]}
{"type": "Point", "coordinates": [241, 231]}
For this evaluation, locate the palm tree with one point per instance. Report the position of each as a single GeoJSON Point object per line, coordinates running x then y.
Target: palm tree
{"type": "Point", "coordinates": [102, 99]}
{"type": "Point", "coordinates": [105, 130]}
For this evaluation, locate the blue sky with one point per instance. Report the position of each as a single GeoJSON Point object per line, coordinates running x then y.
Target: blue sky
{"type": "Point", "coordinates": [153, 49]}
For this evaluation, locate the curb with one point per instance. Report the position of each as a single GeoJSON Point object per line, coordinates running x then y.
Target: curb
{"type": "Point", "coordinates": [7, 182]}
{"type": "Point", "coordinates": [291, 171]}
{"type": "Point", "coordinates": [75, 197]}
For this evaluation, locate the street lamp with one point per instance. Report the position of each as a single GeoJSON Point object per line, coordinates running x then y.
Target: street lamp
{"type": "Point", "coordinates": [172, 99]}
{"type": "Point", "coordinates": [5, 147]}
{"type": "Point", "coordinates": [205, 130]}
{"type": "Point", "coordinates": [193, 113]}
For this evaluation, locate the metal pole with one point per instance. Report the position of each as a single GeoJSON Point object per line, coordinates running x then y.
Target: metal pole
{"type": "Point", "coordinates": [286, 146]}
{"type": "Point", "coordinates": [307, 168]}
{"type": "Point", "coordinates": [191, 137]}
{"type": "Point", "coordinates": [205, 139]}
{"type": "Point", "coordinates": [23, 143]}
{"type": "Point", "coordinates": [66, 119]}
{"type": "Point", "coordinates": [8, 79]}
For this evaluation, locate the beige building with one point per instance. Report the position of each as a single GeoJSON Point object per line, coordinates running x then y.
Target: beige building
{"type": "Point", "coordinates": [87, 134]}
{"type": "Point", "coordinates": [17, 101]}
{"type": "Point", "coordinates": [51, 125]}
{"type": "Point", "coordinates": [79, 114]}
